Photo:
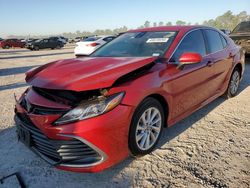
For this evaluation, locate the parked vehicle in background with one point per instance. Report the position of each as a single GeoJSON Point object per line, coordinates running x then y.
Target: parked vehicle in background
{"type": "Point", "coordinates": [29, 41]}
{"type": "Point", "coordinates": [78, 39]}
{"type": "Point", "coordinates": [87, 114]}
{"type": "Point", "coordinates": [90, 44]}
{"type": "Point", "coordinates": [226, 31]}
{"type": "Point", "coordinates": [241, 35]}
{"type": "Point", "coordinates": [9, 43]}
{"type": "Point", "coordinates": [71, 40]}
{"type": "Point", "coordinates": [45, 43]}
{"type": "Point", "coordinates": [60, 38]}
{"type": "Point", "coordinates": [1, 39]}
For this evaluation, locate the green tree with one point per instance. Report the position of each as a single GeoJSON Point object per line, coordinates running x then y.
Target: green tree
{"type": "Point", "coordinates": [228, 20]}
{"type": "Point", "coordinates": [168, 23]}
{"type": "Point", "coordinates": [161, 23]}
{"type": "Point", "coordinates": [180, 22]}
{"type": "Point", "coordinates": [147, 24]}
{"type": "Point", "coordinates": [78, 33]}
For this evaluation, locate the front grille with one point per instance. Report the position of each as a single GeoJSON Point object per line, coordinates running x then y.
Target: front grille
{"type": "Point", "coordinates": [70, 152]}
{"type": "Point", "coordinates": [67, 97]}
{"type": "Point", "coordinates": [39, 110]}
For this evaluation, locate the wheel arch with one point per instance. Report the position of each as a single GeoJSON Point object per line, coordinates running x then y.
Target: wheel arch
{"type": "Point", "coordinates": [163, 103]}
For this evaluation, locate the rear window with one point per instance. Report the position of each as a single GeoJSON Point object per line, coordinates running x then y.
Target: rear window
{"type": "Point", "coordinates": [91, 39]}
{"type": "Point", "coordinates": [107, 39]}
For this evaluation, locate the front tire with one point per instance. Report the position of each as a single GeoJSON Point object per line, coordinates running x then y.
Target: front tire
{"type": "Point", "coordinates": [6, 47]}
{"type": "Point", "coordinates": [234, 83]}
{"type": "Point", "coordinates": [146, 127]}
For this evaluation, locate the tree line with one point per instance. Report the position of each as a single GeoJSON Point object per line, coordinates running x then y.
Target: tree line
{"type": "Point", "coordinates": [228, 20]}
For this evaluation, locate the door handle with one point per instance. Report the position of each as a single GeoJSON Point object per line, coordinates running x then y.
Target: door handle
{"type": "Point", "coordinates": [210, 63]}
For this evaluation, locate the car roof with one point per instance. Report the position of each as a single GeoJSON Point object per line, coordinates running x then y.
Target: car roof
{"type": "Point", "coordinates": [167, 28]}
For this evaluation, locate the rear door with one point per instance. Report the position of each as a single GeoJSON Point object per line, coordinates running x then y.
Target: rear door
{"type": "Point", "coordinates": [191, 84]}
{"type": "Point", "coordinates": [52, 43]}
{"type": "Point", "coordinates": [221, 58]}
{"type": "Point", "coordinates": [44, 43]}
{"type": "Point", "coordinates": [14, 43]}
{"type": "Point", "coordinates": [11, 42]}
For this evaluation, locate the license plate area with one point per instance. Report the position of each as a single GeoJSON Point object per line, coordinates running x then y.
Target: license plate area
{"type": "Point", "coordinates": [24, 135]}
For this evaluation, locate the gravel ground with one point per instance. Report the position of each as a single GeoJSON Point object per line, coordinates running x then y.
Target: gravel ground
{"type": "Point", "coordinates": [210, 148]}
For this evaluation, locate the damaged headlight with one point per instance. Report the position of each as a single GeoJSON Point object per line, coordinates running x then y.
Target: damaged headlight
{"type": "Point", "coordinates": [91, 108]}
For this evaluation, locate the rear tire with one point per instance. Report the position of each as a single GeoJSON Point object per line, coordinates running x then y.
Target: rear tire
{"type": "Point", "coordinates": [146, 127]}
{"type": "Point", "coordinates": [36, 48]}
{"type": "Point", "coordinates": [234, 83]}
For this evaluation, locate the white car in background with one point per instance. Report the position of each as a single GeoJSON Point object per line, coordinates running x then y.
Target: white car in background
{"type": "Point", "coordinates": [90, 44]}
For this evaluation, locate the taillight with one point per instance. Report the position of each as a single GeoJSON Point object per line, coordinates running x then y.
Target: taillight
{"type": "Point", "coordinates": [93, 44]}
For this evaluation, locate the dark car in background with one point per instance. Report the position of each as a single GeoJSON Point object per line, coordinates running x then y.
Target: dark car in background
{"type": "Point", "coordinates": [241, 35]}
{"type": "Point", "coordinates": [45, 43]}
{"type": "Point", "coordinates": [29, 41]}
{"type": "Point", "coordinates": [8, 43]}
{"type": "Point", "coordinates": [60, 38]}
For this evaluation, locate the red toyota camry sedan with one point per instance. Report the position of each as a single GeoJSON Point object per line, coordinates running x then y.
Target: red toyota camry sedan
{"type": "Point", "coordinates": [87, 114]}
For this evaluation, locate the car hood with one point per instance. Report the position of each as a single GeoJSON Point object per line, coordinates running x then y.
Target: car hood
{"type": "Point", "coordinates": [84, 74]}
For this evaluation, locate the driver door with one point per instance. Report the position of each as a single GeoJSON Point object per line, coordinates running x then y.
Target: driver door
{"type": "Point", "coordinates": [191, 84]}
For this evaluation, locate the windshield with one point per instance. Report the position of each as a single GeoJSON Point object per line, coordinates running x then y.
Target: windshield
{"type": "Point", "coordinates": [242, 27]}
{"type": "Point", "coordinates": [137, 44]}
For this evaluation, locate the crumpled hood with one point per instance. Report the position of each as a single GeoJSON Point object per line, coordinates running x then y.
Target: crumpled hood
{"type": "Point", "coordinates": [84, 74]}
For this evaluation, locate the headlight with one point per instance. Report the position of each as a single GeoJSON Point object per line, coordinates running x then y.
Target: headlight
{"type": "Point", "coordinates": [91, 109]}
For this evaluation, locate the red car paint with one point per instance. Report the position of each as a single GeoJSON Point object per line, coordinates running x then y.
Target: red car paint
{"type": "Point", "coordinates": [8, 43]}
{"type": "Point", "coordinates": [86, 74]}
{"type": "Point", "coordinates": [206, 81]}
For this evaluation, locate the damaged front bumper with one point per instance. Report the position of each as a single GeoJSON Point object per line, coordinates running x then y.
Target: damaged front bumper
{"type": "Point", "coordinates": [85, 146]}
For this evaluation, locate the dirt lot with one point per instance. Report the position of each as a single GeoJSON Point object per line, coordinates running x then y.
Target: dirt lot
{"type": "Point", "coordinates": [210, 148]}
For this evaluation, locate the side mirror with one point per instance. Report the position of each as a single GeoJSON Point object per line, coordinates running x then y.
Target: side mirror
{"type": "Point", "coordinates": [190, 58]}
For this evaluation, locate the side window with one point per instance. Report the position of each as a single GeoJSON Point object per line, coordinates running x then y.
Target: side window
{"type": "Point", "coordinates": [224, 41]}
{"type": "Point", "coordinates": [107, 39]}
{"type": "Point", "coordinates": [193, 42]}
{"type": "Point", "coordinates": [214, 41]}
{"type": "Point", "coordinates": [45, 40]}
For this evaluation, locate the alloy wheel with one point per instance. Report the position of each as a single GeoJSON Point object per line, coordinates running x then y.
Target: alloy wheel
{"type": "Point", "coordinates": [148, 128]}
{"type": "Point", "coordinates": [234, 83]}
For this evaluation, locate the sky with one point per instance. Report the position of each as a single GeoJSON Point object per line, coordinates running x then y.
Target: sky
{"type": "Point", "coordinates": [45, 17]}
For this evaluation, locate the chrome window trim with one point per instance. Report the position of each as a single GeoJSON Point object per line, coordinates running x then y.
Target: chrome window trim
{"type": "Point", "coordinates": [103, 155]}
